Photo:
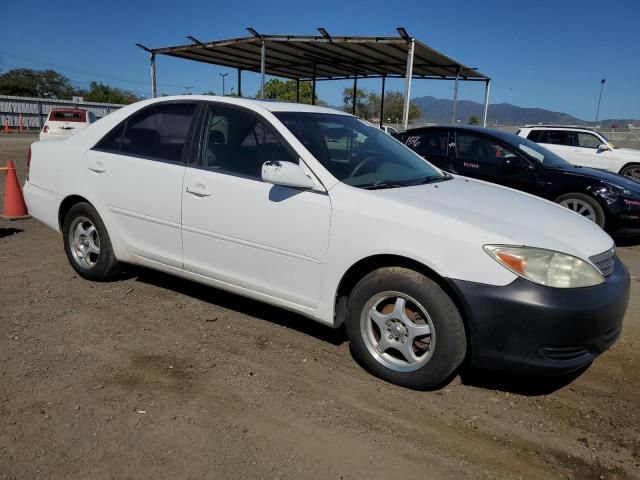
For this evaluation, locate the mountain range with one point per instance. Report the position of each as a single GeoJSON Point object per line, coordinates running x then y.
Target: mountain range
{"type": "Point", "coordinates": [437, 110]}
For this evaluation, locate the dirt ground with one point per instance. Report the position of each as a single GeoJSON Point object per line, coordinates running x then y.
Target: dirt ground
{"type": "Point", "coordinates": [156, 377]}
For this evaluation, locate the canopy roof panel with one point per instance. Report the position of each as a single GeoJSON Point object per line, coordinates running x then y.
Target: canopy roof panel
{"type": "Point", "coordinates": [305, 57]}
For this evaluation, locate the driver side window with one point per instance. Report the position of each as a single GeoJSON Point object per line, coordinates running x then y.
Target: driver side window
{"type": "Point", "coordinates": [586, 140]}
{"type": "Point", "coordinates": [239, 143]}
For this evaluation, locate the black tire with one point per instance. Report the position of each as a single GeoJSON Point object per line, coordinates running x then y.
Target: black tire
{"type": "Point", "coordinates": [104, 264]}
{"type": "Point", "coordinates": [600, 217]}
{"type": "Point", "coordinates": [449, 340]}
{"type": "Point", "coordinates": [631, 171]}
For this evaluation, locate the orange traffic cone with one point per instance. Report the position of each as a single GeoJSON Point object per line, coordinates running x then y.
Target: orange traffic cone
{"type": "Point", "coordinates": [14, 206]}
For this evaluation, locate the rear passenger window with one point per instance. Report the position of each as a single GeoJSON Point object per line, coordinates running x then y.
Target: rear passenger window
{"type": "Point", "coordinates": [534, 135]}
{"type": "Point", "coordinates": [111, 141]}
{"type": "Point", "coordinates": [159, 131]}
{"type": "Point", "coordinates": [237, 142]}
{"type": "Point", "coordinates": [558, 137]}
{"type": "Point", "coordinates": [431, 144]}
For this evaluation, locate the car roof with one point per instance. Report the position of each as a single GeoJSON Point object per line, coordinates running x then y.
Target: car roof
{"type": "Point", "coordinates": [68, 110]}
{"type": "Point", "coordinates": [472, 128]}
{"type": "Point", "coordinates": [561, 127]}
{"type": "Point", "coordinates": [270, 105]}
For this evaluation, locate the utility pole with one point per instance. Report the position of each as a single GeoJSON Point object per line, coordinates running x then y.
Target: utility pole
{"type": "Point", "coordinates": [223, 75]}
{"type": "Point", "coordinates": [602, 82]}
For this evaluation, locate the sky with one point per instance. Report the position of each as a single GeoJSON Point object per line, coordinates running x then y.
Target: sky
{"type": "Point", "coordinates": [541, 53]}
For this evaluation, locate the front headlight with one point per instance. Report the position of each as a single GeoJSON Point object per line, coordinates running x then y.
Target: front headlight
{"type": "Point", "coordinates": [618, 189]}
{"type": "Point", "coordinates": [546, 267]}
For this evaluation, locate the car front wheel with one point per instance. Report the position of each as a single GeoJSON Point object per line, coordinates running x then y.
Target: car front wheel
{"type": "Point", "coordinates": [405, 329]}
{"type": "Point", "coordinates": [584, 205]}
{"type": "Point", "coordinates": [87, 243]}
{"type": "Point", "coordinates": [632, 171]}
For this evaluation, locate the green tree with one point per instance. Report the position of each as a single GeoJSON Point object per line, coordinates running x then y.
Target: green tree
{"type": "Point", "coordinates": [99, 92]}
{"type": "Point", "coordinates": [363, 105]}
{"type": "Point", "coordinates": [474, 120]}
{"type": "Point", "coordinates": [368, 105]}
{"type": "Point", "coordinates": [276, 89]}
{"type": "Point", "coordinates": [394, 106]}
{"type": "Point", "coordinates": [26, 82]}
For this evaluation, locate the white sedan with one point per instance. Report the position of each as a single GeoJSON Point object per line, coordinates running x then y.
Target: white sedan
{"type": "Point", "coordinates": [423, 268]}
{"type": "Point", "coordinates": [61, 123]}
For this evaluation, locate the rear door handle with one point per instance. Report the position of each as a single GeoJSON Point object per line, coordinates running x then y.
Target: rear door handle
{"type": "Point", "coordinates": [198, 191]}
{"type": "Point", "coordinates": [97, 168]}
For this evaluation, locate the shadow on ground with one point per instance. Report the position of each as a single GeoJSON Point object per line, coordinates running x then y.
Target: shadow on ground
{"type": "Point", "coordinates": [239, 304]}
{"type": "Point", "coordinates": [520, 384]}
{"type": "Point", "coordinates": [6, 232]}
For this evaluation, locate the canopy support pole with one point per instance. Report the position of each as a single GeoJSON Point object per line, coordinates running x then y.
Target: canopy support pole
{"type": "Point", "coordinates": [313, 87]}
{"type": "Point", "coordinates": [239, 82]}
{"type": "Point", "coordinates": [455, 98]}
{"type": "Point", "coordinates": [384, 78]}
{"type": "Point", "coordinates": [297, 90]}
{"type": "Point", "coordinates": [154, 87]}
{"type": "Point", "coordinates": [263, 52]}
{"type": "Point", "coordinates": [407, 87]}
{"type": "Point", "coordinates": [355, 95]}
{"type": "Point", "coordinates": [487, 89]}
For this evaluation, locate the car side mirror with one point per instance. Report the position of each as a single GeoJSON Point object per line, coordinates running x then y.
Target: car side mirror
{"type": "Point", "coordinates": [602, 147]}
{"type": "Point", "coordinates": [286, 174]}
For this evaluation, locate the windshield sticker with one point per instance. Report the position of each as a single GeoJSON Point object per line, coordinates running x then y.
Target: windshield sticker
{"type": "Point", "coordinates": [413, 141]}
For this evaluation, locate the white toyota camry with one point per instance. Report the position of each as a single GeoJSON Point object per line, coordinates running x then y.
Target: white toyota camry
{"type": "Point", "coordinates": [318, 212]}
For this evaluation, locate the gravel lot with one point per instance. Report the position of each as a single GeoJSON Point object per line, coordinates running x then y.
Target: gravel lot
{"type": "Point", "coordinates": [151, 376]}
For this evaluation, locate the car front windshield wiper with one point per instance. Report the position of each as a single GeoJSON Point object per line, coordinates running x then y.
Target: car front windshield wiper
{"type": "Point", "coordinates": [380, 184]}
{"type": "Point", "coordinates": [434, 178]}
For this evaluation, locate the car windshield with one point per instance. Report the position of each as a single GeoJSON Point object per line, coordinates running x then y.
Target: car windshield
{"type": "Point", "coordinates": [537, 152]}
{"type": "Point", "coordinates": [357, 153]}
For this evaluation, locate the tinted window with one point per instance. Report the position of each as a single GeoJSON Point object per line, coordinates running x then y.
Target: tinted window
{"type": "Point", "coordinates": [588, 140]}
{"type": "Point", "coordinates": [480, 150]}
{"type": "Point", "coordinates": [159, 131]}
{"type": "Point", "coordinates": [68, 116]}
{"type": "Point", "coordinates": [92, 117]}
{"type": "Point", "coordinates": [236, 141]}
{"type": "Point", "coordinates": [534, 135]}
{"type": "Point", "coordinates": [355, 152]}
{"type": "Point", "coordinates": [557, 137]}
{"type": "Point", "coordinates": [111, 141]}
{"type": "Point", "coordinates": [431, 143]}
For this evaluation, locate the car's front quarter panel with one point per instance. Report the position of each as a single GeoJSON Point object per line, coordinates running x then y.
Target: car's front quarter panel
{"type": "Point", "coordinates": [365, 224]}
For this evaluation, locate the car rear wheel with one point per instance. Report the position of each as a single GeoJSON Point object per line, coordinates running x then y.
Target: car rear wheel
{"type": "Point", "coordinates": [631, 171]}
{"type": "Point", "coordinates": [584, 205]}
{"type": "Point", "coordinates": [87, 243]}
{"type": "Point", "coordinates": [405, 329]}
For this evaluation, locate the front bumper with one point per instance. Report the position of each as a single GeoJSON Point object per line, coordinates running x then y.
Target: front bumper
{"type": "Point", "coordinates": [526, 327]}
{"type": "Point", "coordinates": [625, 213]}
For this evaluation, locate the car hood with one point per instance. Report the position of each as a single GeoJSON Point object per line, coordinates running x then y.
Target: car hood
{"type": "Point", "coordinates": [627, 152]}
{"type": "Point", "coordinates": [486, 213]}
{"type": "Point", "coordinates": [602, 176]}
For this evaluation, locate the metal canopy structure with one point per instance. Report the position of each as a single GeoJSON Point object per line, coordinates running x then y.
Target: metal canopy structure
{"type": "Point", "coordinates": [325, 57]}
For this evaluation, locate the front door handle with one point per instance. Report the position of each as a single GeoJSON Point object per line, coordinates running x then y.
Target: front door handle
{"type": "Point", "coordinates": [198, 191]}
